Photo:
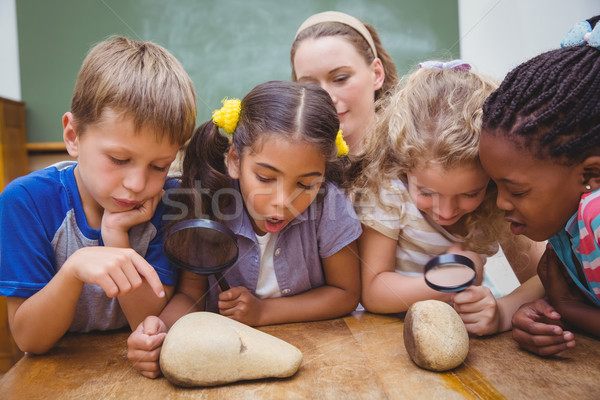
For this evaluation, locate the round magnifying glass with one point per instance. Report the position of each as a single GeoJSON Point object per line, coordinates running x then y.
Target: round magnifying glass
{"type": "Point", "coordinates": [202, 246]}
{"type": "Point", "coordinates": [450, 273]}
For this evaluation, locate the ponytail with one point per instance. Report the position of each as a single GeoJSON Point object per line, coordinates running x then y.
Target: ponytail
{"type": "Point", "coordinates": [205, 171]}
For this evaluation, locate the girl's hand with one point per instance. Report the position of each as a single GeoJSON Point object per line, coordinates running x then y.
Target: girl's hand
{"type": "Point", "coordinates": [115, 225]}
{"type": "Point", "coordinates": [478, 309]}
{"type": "Point", "coordinates": [144, 345]}
{"type": "Point", "coordinates": [536, 327]}
{"type": "Point", "coordinates": [239, 304]}
{"type": "Point", "coordinates": [117, 271]}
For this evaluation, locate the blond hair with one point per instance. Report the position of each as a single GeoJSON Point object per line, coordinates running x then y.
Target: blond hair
{"type": "Point", "coordinates": [138, 79]}
{"type": "Point", "coordinates": [434, 115]}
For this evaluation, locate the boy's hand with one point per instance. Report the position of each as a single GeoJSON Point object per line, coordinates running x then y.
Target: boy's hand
{"type": "Point", "coordinates": [144, 345]}
{"type": "Point", "coordinates": [239, 304]}
{"type": "Point", "coordinates": [119, 223]}
{"type": "Point", "coordinates": [117, 271]}
{"type": "Point", "coordinates": [536, 327]}
{"type": "Point", "coordinates": [478, 309]}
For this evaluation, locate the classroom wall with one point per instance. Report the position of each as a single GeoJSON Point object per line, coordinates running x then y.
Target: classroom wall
{"type": "Point", "coordinates": [498, 35]}
{"type": "Point", "coordinates": [10, 85]}
{"type": "Point", "coordinates": [226, 46]}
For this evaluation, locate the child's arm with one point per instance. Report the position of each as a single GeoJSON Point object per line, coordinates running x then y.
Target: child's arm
{"type": "Point", "coordinates": [523, 255]}
{"type": "Point", "coordinates": [485, 315]}
{"type": "Point", "coordinates": [537, 328]}
{"type": "Point", "coordinates": [40, 320]}
{"type": "Point", "coordinates": [145, 342]}
{"type": "Point", "coordinates": [339, 296]}
{"type": "Point", "coordinates": [383, 289]}
{"type": "Point", "coordinates": [565, 296]}
{"type": "Point", "coordinates": [115, 227]}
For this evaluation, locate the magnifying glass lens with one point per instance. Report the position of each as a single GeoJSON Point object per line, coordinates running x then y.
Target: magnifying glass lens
{"type": "Point", "coordinates": [203, 247]}
{"type": "Point", "coordinates": [450, 273]}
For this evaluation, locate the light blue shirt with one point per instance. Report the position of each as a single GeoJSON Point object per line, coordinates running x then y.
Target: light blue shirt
{"type": "Point", "coordinates": [328, 225]}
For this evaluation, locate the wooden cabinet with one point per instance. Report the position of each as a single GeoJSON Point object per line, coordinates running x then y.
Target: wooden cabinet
{"type": "Point", "coordinates": [13, 163]}
{"type": "Point", "coordinates": [13, 141]}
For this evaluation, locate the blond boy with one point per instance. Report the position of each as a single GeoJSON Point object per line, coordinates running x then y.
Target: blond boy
{"type": "Point", "coordinates": [81, 243]}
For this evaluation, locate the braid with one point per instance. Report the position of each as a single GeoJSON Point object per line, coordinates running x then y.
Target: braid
{"type": "Point", "coordinates": [550, 104]}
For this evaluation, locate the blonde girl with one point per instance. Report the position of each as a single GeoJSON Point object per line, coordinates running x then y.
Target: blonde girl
{"type": "Point", "coordinates": [424, 193]}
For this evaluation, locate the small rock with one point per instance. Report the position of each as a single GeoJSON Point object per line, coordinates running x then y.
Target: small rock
{"type": "Point", "coordinates": [434, 336]}
{"type": "Point", "coordinates": [208, 349]}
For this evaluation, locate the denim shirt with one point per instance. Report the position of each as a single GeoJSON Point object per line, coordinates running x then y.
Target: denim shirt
{"type": "Point", "coordinates": [328, 225]}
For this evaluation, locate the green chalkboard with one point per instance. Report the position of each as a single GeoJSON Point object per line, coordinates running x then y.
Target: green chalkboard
{"type": "Point", "coordinates": [227, 46]}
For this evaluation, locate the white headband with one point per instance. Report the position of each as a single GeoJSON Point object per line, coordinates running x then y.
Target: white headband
{"type": "Point", "coordinates": [336, 16]}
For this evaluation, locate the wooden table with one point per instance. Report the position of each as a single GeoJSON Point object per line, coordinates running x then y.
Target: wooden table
{"type": "Point", "coordinates": [361, 356]}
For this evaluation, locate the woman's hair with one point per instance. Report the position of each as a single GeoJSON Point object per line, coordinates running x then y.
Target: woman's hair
{"type": "Point", "coordinates": [325, 29]}
{"type": "Point", "coordinates": [433, 115]}
{"type": "Point", "coordinates": [298, 112]}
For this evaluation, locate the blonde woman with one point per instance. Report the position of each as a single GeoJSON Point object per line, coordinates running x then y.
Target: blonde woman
{"type": "Point", "coordinates": [423, 193]}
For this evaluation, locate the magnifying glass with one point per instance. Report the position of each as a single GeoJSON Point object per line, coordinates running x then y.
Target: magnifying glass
{"type": "Point", "coordinates": [202, 246]}
{"type": "Point", "coordinates": [450, 273]}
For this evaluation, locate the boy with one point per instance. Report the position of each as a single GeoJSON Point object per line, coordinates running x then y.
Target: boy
{"type": "Point", "coordinates": [81, 243]}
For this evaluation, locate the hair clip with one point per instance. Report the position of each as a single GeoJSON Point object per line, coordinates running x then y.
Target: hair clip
{"type": "Point", "coordinates": [342, 146]}
{"type": "Point", "coordinates": [582, 34]}
{"type": "Point", "coordinates": [227, 117]}
{"type": "Point", "coordinates": [457, 65]}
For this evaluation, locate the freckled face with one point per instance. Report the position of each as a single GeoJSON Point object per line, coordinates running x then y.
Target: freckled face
{"type": "Point", "coordinates": [538, 196]}
{"type": "Point", "coordinates": [447, 195]}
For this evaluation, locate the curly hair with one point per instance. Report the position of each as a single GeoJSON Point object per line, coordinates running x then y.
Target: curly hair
{"type": "Point", "coordinates": [550, 104]}
{"type": "Point", "coordinates": [433, 115]}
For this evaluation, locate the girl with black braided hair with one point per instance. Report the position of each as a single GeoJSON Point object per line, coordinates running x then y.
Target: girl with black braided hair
{"type": "Point", "coordinates": [541, 145]}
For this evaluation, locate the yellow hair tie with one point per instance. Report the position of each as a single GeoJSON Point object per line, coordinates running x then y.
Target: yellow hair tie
{"type": "Point", "coordinates": [227, 117]}
{"type": "Point", "coordinates": [342, 147]}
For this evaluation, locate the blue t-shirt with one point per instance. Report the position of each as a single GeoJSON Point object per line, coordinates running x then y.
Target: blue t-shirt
{"type": "Point", "coordinates": [42, 223]}
{"type": "Point", "coordinates": [327, 226]}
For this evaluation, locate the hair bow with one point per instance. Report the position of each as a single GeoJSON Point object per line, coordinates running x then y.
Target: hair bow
{"type": "Point", "coordinates": [581, 34]}
{"type": "Point", "coordinates": [342, 147]}
{"type": "Point", "coordinates": [457, 65]}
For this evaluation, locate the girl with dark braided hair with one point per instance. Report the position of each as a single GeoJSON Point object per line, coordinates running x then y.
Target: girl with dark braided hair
{"type": "Point", "coordinates": [541, 145]}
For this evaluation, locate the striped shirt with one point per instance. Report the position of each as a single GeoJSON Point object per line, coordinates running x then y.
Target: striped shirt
{"type": "Point", "coordinates": [396, 216]}
{"type": "Point", "coordinates": [580, 238]}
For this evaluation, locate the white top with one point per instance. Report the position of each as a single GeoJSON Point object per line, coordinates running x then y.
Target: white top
{"type": "Point", "coordinates": [267, 286]}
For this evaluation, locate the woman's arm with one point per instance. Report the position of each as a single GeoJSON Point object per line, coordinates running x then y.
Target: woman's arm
{"type": "Point", "coordinates": [383, 289]}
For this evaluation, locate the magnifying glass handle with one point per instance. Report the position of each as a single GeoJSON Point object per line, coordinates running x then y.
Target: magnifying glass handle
{"type": "Point", "coordinates": [222, 281]}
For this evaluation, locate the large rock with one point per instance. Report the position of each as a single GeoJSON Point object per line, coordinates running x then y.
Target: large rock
{"type": "Point", "coordinates": [434, 335]}
{"type": "Point", "coordinates": [207, 349]}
